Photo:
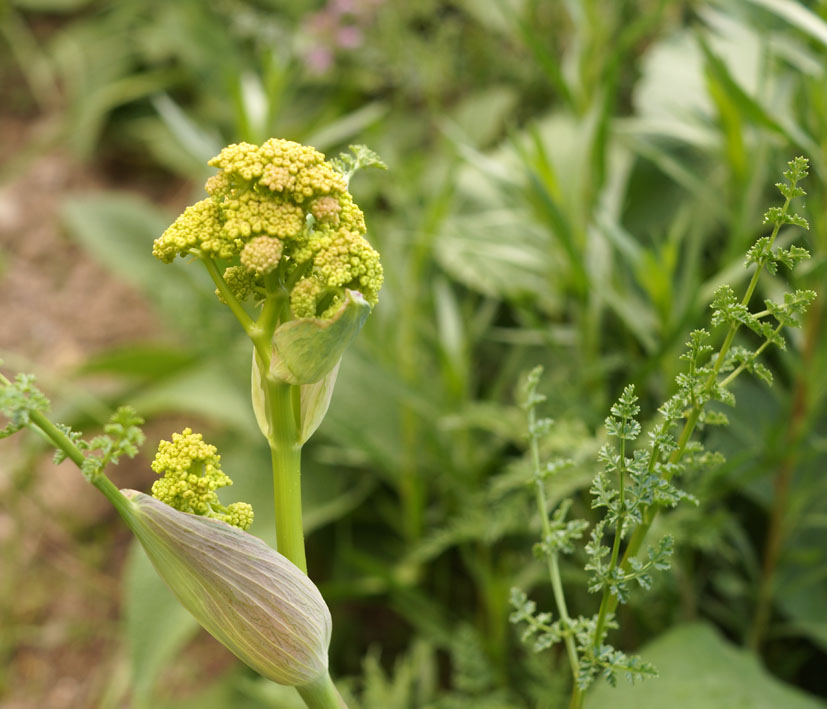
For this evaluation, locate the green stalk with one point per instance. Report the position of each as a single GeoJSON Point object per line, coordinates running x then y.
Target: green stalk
{"type": "Point", "coordinates": [411, 489]}
{"type": "Point", "coordinates": [259, 332]}
{"type": "Point", "coordinates": [553, 564]}
{"type": "Point", "coordinates": [604, 611]}
{"type": "Point", "coordinates": [321, 694]}
{"type": "Point", "coordinates": [286, 456]}
{"type": "Point", "coordinates": [61, 440]}
{"type": "Point", "coordinates": [282, 410]}
{"type": "Point", "coordinates": [271, 310]}
{"type": "Point", "coordinates": [285, 449]}
{"type": "Point", "coordinates": [236, 307]}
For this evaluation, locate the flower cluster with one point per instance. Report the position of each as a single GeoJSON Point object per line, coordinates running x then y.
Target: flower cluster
{"type": "Point", "coordinates": [191, 470]}
{"type": "Point", "coordinates": [285, 213]}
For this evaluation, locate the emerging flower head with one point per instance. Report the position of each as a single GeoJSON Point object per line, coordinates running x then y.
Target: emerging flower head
{"type": "Point", "coordinates": [192, 473]}
{"type": "Point", "coordinates": [280, 207]}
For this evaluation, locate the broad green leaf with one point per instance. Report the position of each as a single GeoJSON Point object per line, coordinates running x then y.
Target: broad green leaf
{"type": "Point", "coordinates": [199, 144]}
{"type": "Point", "coordinates": [347, 127]}
{"type": "Point", "coordinates": [801, 577]}
{"type": "Point", "coordinates": [483, 114]}
{"type": "Point", "coordinates": [138, 360]}
{"type": "Point", "coordinates": [118, 231]}
{"type": "Point", "coordinates": [498, 253]}
{"type": "Point", "coordinates": [204, 390]}
{"type": "Point", "coordinates": [748, 108]}
{"type": "Point", "coordinates": [797, 15]}
{"type": "Point", "coordinates": [373, 430]}
{"type": "Point", "coordinates": [452, 336]}
{"type": "Point", "coordinates": [699, 669]}
{"type": "Point", "coordinates": [804, 601]}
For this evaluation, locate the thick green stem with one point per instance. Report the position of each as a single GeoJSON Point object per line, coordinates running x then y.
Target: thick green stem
{"type": "Point", "coordinates": [576, 700]}
{"type": "Point", "coordinates": [321, 694]}
{"type": "Point", "coordinates": [271, 310]}
{"type": "Point", "coordinates": [282, 429]}
{"type": "Point", "coordinates": [286, 454]}
{"type": "Point", "coordinates": [255, 331]}
{"type": "Point", "coordinates": [288, 497]}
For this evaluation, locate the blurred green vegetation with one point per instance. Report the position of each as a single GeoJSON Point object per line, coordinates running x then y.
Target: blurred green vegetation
{"type": "Point", "coordinates": [569, 182]}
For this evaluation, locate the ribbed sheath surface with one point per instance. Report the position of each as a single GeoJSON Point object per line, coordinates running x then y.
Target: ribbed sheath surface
{"type": "Point", "coordinates": [245, 594]}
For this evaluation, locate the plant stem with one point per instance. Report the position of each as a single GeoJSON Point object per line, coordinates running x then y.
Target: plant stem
{"type": "Point", "coordinates": [232, 302]}
{"type": "Point", "coordinates": [776, 534]}
{"type": "Point", "coordinates": [604, 610]}
{"type": "Point", "coordinates": [553, 563]}
{"type": "Point", "coordinates": [321, 694]}
{"type": "Point", "coordinates": [281, 414]}
{"type": "Point", "coordinates": [61, 441]}
{"type": "Point", "coordinates": [270, 311]}
{"type": "Point", "coordinates": [411, 488]}
{"type": "Point", "coordinates": [286, 455]}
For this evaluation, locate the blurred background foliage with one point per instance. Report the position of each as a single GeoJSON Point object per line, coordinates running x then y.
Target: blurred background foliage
{"type": "Point", "coordinates": [569, 182]}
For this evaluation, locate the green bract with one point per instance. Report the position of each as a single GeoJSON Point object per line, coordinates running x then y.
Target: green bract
{"type": "Point", "coordinates": [307, 353]}
{"type": "Point", "coordinates": [305, 350]}
{"type": "Point", "coordinates": [246, 595]}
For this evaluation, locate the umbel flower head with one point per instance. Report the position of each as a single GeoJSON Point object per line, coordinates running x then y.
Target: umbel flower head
{"type": "Point", "coordinates": [280, 208]}
{"type": "Point", "coordinates": [191, 470]}
{"type": "Point", "coordinates": [249, 597]}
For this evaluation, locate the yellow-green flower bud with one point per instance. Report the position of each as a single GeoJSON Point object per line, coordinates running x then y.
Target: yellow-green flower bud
{"type": "Point", "coordinates": [326, 210]}
{"type": "Point", "coordinates": [262, 254]}
{"type": "Point", "coordinates": [246, 595]}
{"type": "Point", "coordinates": [241, 282]}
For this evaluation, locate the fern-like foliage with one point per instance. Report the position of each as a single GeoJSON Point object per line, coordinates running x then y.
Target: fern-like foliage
{"type": "Point", "coordinates": [635, 480]}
